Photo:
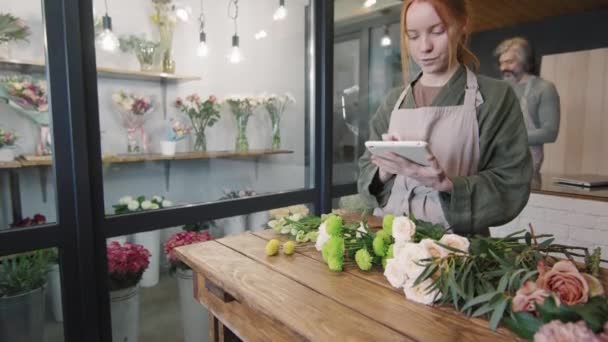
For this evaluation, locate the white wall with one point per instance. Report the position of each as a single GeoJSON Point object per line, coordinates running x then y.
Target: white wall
{"type": "Point", "coordinates": [572, 221]}
{"type": "Point", "coordinates": [275, 65]}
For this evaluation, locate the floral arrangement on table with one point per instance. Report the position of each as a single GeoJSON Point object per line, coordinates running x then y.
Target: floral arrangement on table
{"type": "Point", "coordinates": [182, 239]}
{"type": "Point", "coordinates": [129, 204]}
{"type": "Point", "coordinates": [275, 106]}
{"type": "Point", "coordinates": [7, 138]}
{"type": "Point", "coordinates": [144, 50]}
{"type": "Point", "coordinates": [36, 220]}
{"type": "Point", "coordinates": [134, 110]}
{"type": "Point", "coordinates": [12, 29]}
{"type": "Point", "coordinates": [126, 264]}
{"type": "Point", "coordinates": [516, 280]}
{"type": "Point", "coordinates": [298, 226]}
{"type": "Point", "coordinates": [203, 114]}
{"type": "Point", "coordinates": [242, 107]}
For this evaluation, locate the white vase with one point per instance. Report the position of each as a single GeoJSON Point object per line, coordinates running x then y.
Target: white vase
{"type": "Point", "coordinates": [150, 241]}
{"type": "Point", "coordinates": [234, 225]}
{"type": "Point", "coordinates": [258, 221]}
{"type": "Point", "coordinates": [195, 318]}
{"type": "Point", "coordinates": [124, 307]}
{"type": "Point", "coordinates": [54, 291]}
{"type": "Point", "coordinates": [167, 148]}
{"type": "Point", "coordinates": [120, 239]}
{"type": "Point", "coordinates": [7, 154]}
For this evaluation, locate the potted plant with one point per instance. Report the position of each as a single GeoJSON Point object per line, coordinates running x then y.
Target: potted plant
{"type": "Point", "coordinates": [203, 114]}
{"type": "Point", "coordinates": [126, 265]}
{"type": "Point", "coordinates": [150, 240]}
{"type": "Point", "coordinates": [145, 50]}
{"type": "Point", "coordinates": [12, 29]}
{"type": "Point", "coordinates": [195, 321]}
{"type": "Point", "coordinates": [22, 283]}
{"type": "Point", "coordinates": [7, 145]}
{"type": "Point", "coordinates": [176, 131]}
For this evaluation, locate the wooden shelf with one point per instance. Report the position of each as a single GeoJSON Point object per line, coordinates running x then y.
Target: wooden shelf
{"type": "Point", "coordinates": [39, 67]}
{"type": "Point", "coordinates": [34, 161]}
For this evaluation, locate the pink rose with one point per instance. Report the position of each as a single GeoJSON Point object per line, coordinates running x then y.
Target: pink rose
{"type": "Point", "coordinates": [528, 296]}
{"type": "Point", "coordinates": [556, 331]}
{"type": "Point", "coordinates": [566, 281]}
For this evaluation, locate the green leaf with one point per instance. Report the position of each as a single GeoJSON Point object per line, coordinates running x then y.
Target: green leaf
{"type": "Point", "coordinates": [546, 243]}
{"type": "Point", "coordinates": [513, 277]}
{"type": "Point", "coordinates": [428, 271]}
{"type": "Point", "coordinates": [479, 299]}
{"type": "Point", "coordinates": [482, 310]}
{"type": "Point", "coordinates": [502, 285]}
{"type": "Point", "coordinates": [528, 239]}
{"type": "Point", "coordinates": [523, 324]}
{"type": "Point", "coordinates": [498, 313]}
{"type": "Point", "coordinates": [528, 276]}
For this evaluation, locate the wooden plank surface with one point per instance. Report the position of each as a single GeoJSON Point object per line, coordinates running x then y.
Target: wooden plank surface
{"type": "Point", "coordinates": [306, 312]}
{"type": "Point", "coordinates": [10, 165]}
{"type": "Point", "coordinates": [376, 302]}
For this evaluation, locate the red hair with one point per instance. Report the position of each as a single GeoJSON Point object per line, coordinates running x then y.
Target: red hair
{"type": "Point", "coordinates": [455, 15]}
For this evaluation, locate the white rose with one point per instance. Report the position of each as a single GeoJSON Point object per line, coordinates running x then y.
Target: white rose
{"type": "Point", "coordinates": [154, 206]}
{"type": "Point", "coordinates": [456, 241]}
{"type": "Point", "coordinates": [273, 223]}
{"type": "Point", "coordinates": [398, 248]}
{"type": "Point", "coordinates": [296, 217]}
{"type": "Point", "coordinates": [403, 228]}
{"type": "Point", "coordinates": [125, 200]}
{"type": "Point", "coordinates": [434, 249]}
{"type": "Point", "coordinates": [395, 273]}
{"type": "Point", "coordinates": [134, 205]}
{"type": "Point", "coordinates": [410, 257]}
{"type": "Point", "coordinates": [145, 205]}
{"type": "Point", "coordinates": [420, 294]}
{"type": "Point", "coordinates": [279, 213]}
{"type": "Point", "coordinates": [323, 237]}
{"type": "Point", "coordinates": [167, 203]}
{"type": "Point", "coordinates": [157, 199]}
{"type": "Point", "coordinates": [299, 209]}
{"type": "Point", "coordinates": [360, 230]}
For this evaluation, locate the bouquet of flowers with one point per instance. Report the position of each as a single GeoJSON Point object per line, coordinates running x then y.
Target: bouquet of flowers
{"type": "Point", "coordinates": [242, 108]}
{"type": "Point", "coordinates": [129, 204]}
{"type": "Point", "coordinates": [203, 114]}
{"type": "Point", "coordinates": [134, 109]}
{"type": "Point", "coordinates": [144, 49]}
{"type": "Point", "coordinates": [38, 219]}
{"type": "Point", "coordinates": [182, 239]}
{"type": "Point", "coordinates": [7, 139]}
{"type": "Point", "coordinates": [28, 94]}
{"type": "Point", "coordinates": [177, 130]}
{"type": "Point", "coordinates": [299, 227]}
{"type": "Point", "coordinates": [275, 106]}
{"type": "Point", "coordinates": [126, 264]}
{"type": "Point", "coordinates": [12, 29]}
{"type": "Point", "coordinates": [280, 213]}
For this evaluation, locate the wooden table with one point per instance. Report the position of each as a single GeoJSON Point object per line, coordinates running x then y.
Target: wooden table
{"type": "Point", "coordinates": [257, 298]}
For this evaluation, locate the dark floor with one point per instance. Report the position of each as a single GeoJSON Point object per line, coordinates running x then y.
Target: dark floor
{"type": "Point", "coordinates": [160, 314]}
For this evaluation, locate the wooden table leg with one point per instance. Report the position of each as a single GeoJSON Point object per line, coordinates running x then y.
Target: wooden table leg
{"type": "Point", "coordinates": [213, 327]}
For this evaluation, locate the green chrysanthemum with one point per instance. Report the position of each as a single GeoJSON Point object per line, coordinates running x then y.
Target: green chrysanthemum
{"type": "Point", "coordinates": [335, 246]}
{"type": "Point", "coordinates": [387, 237]}
{"type": "Point", "coordinates": [363, 259]}
{"type": "Point", "coordinates": [325, 252]}
{"type": "Point", "coordinates": [312, 236]}
{"type": "Point", "coordinates": [387, 224]}
{"type": "Point", "coordinates": [379, 245]}
{"type": "Point", "coordinates": [384, 261]}
{"type": "Point", "coordinates": [334, 225]}
{"type": "Point", "coordinates": [301, 236]}
{"type": "Point", "coordinates": [335, 263]}
{"type": "Point", "coordinates": [391, 252]}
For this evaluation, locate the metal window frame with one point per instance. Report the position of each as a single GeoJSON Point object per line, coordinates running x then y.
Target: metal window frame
{"type": "Point", "coordinates": [82, 227]}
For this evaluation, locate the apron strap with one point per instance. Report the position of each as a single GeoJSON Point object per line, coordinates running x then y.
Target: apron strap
{"type": "Point", "coordinates": [472, 96]}
{"type": "Point", "coordinates": [401, 98]}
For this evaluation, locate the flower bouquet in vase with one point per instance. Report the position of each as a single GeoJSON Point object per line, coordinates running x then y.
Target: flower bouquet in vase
{"type": "Point", "coordinates": [195, 321]}
{"type": "Point", "coordinates": [29, 98]}
{"type": "Point", "coordinates": [202, 114]}
{"type": "Point", "coordinates": [275, 107]}
{"type": "Point", "coordinates": [166, 16]}
{"type": "Point", "coordinates": [176, 131]}
{"type": "Point", "coordinates": [12, 29]}
{"type": "Point", "coordinates": [242, 108]}
{"type": "Point", "coordinates": [134, 110]}
{"type": "Point", "coordinates": [7, 145]}
{"type": "Point", "coordinates": [145, 50]}
{"type": "Point", "coordinates": [126, 265]}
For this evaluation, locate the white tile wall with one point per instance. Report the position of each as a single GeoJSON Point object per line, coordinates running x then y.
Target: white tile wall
{"type": "Point", "coordinates": [572, 221]}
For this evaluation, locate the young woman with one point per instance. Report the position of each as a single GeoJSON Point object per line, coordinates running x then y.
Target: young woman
{"type": "Point", "coordinates": [481, 169]}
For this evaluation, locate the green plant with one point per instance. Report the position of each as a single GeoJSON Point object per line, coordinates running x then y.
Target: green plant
{"type": "Point", "coordinates": [24, 272]}
{"type": "Point", "coordinates": [12, 28]}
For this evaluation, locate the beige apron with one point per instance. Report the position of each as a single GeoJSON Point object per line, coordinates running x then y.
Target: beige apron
{"type": "Point", "coordinates": [537, 151]}
{"type": "Point", "coordinates": [453, 137]}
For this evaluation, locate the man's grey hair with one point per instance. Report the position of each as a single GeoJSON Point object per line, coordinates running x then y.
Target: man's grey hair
{"type": "Point", "coordinates": [522, 49]}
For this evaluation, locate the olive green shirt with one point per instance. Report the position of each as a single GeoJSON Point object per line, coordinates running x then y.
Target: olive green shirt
{"type": "Point", "coordinates": [500, 191]}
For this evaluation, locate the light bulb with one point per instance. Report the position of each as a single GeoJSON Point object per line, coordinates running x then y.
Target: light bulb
{"type": "Point", "coordinates": [183, 13]}
{"type": "Point", "coordinates": [107, 40]}
{"type": "Point", "coordinates": [280, 13]}
{"type": "Point", "coordinates": [203, 49]}
{"type": "Point", "coordinates": [369, 3]}
{"type": "Point", "coordinates": [235, 56]}
{"type": "Point", "coordinates": [386, 41]}
{"type": "Point", "coordinates": [261, 35]}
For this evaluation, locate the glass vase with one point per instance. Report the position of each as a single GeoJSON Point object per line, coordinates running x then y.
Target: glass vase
{"type": "Point", "coordinates": [200, 142]}
{"type": "Point", "coordinates": [133, 145]}
{"type": "Point", "coordinates": [276, 133]}
{"type": "Point", "coordinates": [5, 51]}
{"type": "Point", "coordinates": [242, 144]}
{"type": "Point", "coordinates": [145, 56]}
{"type": "Point", "coordinates": [168, 62]}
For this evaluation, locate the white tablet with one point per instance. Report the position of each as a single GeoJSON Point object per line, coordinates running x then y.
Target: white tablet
{"type": "Point", "coordinates": [416, 151]}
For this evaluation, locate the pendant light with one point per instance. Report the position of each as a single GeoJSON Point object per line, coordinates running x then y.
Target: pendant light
{"type": "Point", "coordinates": [369, 3]}
{"type": "Point", "coordinates": [386, 39]}
{"type": "Point", "coordinates": [281, 12]}
{"type": "Point", "coordinates": [235, 56]}
{"type": "Point", "coordinates": [107, 40]}
{"type": "Point", "coordinates": [203, 48]}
